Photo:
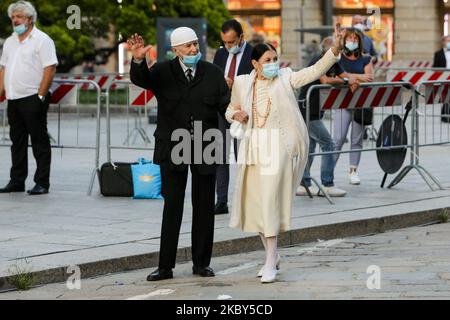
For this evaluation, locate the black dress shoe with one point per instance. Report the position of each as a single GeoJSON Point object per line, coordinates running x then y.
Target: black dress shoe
{"type": "Point", "coordinates": [203, 272]}
{"type": "Point", "coordinates": [10, 187]}
{"type": "Point", "coordinates": [160, 274]}
{"type": "Point", "coordinates": [37, 190]}
{"type": "Point", "coordinates": [221, 208]}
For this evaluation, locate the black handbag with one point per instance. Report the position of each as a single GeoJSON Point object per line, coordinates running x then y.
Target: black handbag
{"type": "Point", "coordinates": [116, 179]}
{"type": "Point", "coordinates": [363, 116]}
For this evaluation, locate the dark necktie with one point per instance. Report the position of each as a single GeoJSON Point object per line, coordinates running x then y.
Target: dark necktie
{"type": "Point", "coordinates": [189, 74]}
{"type": "Point", "coordinates": [232, 70]}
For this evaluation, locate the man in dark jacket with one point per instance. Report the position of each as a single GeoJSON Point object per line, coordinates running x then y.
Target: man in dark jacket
{"type": "Point", "coordinates": [442, 57]}
{"type": "Point", "coordinates": [190, 93]}
{"type": "Point", "coordinates": [234, 58]}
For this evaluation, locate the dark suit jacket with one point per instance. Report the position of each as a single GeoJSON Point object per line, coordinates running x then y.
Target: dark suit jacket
{"type": "Point", "coordinates": [439, 59]}
{"type": "Point", "coordinates": [245, 67]}
{"type": "Point", "coordinates": [180, 103]}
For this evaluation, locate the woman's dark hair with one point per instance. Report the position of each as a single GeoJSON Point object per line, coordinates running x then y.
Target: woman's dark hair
{"type": "Point", "coordinates": [260, 49]}
{"type": "Point", "coordinates": [360, 36]}
{"type": "Point", "coordinates": [232, 24]}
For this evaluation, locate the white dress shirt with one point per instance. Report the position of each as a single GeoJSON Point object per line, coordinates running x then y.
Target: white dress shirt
{"type": "Point", "coordinates": [24, 63]}
{"type": "Point", "coordinates": [447, 57]}
{"type": "Point", "coordinates": [185, 68]}
{"type": "Point", "coordinates": [238, 60]}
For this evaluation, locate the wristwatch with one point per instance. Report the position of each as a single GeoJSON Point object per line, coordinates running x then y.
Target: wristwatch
{"type": "Point", "coordinates": [41, 97]}
{"type": "Point", "coordinates": [345, 81]}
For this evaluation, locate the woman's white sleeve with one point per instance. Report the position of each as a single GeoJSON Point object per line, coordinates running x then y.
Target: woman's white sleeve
{"type": "Point", "coordinates": [234, 103]}
{"type": "Point", "coordinates": [310, 74]}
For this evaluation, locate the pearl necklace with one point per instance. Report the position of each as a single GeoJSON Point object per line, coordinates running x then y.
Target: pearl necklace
{"type": "Point", "coordinates": [256, 114]}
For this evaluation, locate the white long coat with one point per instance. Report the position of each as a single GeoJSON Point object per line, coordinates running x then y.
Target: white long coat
{"type": "Point", "coordinates": [292, 126]}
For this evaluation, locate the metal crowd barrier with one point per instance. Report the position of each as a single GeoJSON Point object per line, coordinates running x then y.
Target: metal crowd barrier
{"type": "Point", "coordinates": [432, 97]}
{"type": "Point", "coordinates": [138, 99]}
{"type": "Point", "coordinates": [384, 98]}
{"type": "Point", "coordinates": [3, 107]}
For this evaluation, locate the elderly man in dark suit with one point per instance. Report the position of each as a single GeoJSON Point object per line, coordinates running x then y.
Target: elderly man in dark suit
{"type": "Point", "coordinates": [442, 57]}
{"type": "Point", "coordinates": [190, 93]}
{"type": "Point", "coordinates": [234, 58]}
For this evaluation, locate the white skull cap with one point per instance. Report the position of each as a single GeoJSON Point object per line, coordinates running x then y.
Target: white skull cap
{"type": "Point", "coordinates": [181, 36]}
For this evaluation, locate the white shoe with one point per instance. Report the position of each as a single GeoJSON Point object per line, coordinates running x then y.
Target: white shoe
{"type": "Point", "coordinates": [261, 271]}
{"type": "Point", "coordinates": [333, 192]}
{"type": "Point", "coordinates": [354, 179]}
{"type": "Point", "coordinates": [269, 275]}
{"type": "Point", "coordinates": [301, 191]}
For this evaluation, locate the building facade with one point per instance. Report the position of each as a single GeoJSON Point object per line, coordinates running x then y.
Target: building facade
{"type": "Point", "coordinates": [401, 29]}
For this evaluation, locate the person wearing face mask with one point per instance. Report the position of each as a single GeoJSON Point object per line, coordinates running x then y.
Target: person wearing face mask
{"type": "Point", "coordinates": [190, 93]}
{"type": "Point", "coordinates": [27, 67]}
{"type": "Point", "coordinates": [359, 66]}
{"type": "Point", "coordinates": [318, 133]}
{"type": "Point", "coordinates": [235, 59]}
{"type": "Point", "coordinates": [273, 152]}
{"type": "Point", "coordinates": [442, 57]}
{"type": "Point", "coordinates": [369, 48]}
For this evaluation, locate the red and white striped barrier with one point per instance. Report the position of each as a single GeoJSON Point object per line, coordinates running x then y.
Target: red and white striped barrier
{"type": "Point", "coordinates": [343, 98]}
{"type": "Point", "coordinates": [383, 64]}
{"type": "Point", "coordinates": [436, 94]}
{"type": "Point", "coordinates": [140, 97]}
{"type": "Point", "coordinates": [103, 80]}
{"type": "Point", "coordinates": [416, 76]}
{"type": "Point", "coordinates": [420, 64]}
{"type": "Point", "coordinates": [64, 93]}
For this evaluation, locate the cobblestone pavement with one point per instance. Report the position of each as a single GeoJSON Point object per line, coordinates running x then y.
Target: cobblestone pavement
{"type": "Point", "coordinates": [411, 263]}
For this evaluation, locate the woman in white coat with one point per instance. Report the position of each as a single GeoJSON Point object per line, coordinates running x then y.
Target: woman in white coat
{"type": "Point", "coordinates": [274, 149]}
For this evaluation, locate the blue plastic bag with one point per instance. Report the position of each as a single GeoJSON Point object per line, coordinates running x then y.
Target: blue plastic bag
{"type": "Point", "coordinates": [146, 180]}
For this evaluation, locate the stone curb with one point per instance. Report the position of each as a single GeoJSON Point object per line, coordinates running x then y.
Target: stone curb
{"type": "Point", "coordinates": [241, 245]}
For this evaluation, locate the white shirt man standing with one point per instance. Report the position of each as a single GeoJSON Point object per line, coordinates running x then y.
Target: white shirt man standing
{"type": "Point", "coordinates": [27, 67]}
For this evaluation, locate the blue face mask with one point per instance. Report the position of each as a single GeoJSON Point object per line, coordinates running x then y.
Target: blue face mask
{"type": "Point", "coordinates": [352, 46]}
{"type": "Point", "coordinates": [234, 50]}
{"type": "Point", "coordinates": [191, 61]}
{"type": "Point", "coordinates": [20, 29]}
{"type": "Point", "coordinates": [270, 70]}
{"type": "Point", "coordinates": [448, 45]}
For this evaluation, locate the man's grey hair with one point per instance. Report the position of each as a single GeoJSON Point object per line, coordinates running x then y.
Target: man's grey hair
{"type": "Point", "coordinates": [327, 43]}
{"type": "Point", "coordinates": [24, 6]}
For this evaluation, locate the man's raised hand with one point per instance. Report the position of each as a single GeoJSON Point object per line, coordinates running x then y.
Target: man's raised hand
{"type": "Point", "coordinates": [136, 45]}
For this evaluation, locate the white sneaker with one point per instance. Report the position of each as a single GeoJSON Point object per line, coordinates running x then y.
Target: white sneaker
{"type": "Point", "coordinates": [301, 191]}
{"type": "Point", "coordinates": [354, 179]}
{"type": "Point", "coordinates": [333, 192]}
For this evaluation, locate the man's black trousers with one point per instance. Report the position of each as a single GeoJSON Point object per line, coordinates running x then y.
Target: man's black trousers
{"type": "Point", "coordinates": [202, 233]}
{"type": "Point", "coordinates": [27, 117]}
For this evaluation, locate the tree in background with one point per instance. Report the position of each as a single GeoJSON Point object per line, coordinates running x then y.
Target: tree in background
{"type": "Point", "coordinates": [106, 19]}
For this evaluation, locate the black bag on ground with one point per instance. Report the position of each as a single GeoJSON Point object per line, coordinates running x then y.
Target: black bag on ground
{"type": "Point", "coordinates": [445, 112]}
{"type": "Point", "coordinates": [363, 116]}
{"type": "Point", "coordinates": [116, 179]}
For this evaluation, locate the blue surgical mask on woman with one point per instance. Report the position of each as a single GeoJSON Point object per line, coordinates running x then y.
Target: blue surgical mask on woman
{"type": "Point", "coordinates": [270, 70]}
{"type": "Point", "coordinates": [448, 45]}
{"type": "Point", "coordinates": [351, 45]}
{"type": "Point", "coordinates": [191, 61]}
{"type": "Point", "coordinates": [20, 29]}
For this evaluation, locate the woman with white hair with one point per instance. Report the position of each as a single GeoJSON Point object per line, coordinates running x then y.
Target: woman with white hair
{"type": "Point", "coordinates": [274, 149]}
{"type": "Point", "coordinates": [27, 67]}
